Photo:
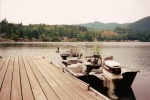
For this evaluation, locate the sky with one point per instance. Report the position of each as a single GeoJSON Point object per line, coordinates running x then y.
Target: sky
{"type": "Point", "coordinates": [73, 11]}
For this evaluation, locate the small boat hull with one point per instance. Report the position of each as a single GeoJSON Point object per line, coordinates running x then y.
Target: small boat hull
{"type": "Point", "coordinates": [126, 82]}
{"type": "Point", "coordinates": [123, 87]}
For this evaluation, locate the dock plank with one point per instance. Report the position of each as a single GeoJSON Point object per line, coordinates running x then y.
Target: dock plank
{"type": "Point", "coordinates": [6, 88]}
{"type": "Point", "coordinates": [16, 88]}
{"type": "Point", "coordinates": [55, 86]}
{"type": "Point", "coordinates": [25, 84]}
{"type": "Point", "coordinates": [50, 94]}
{"type": "Point", "coordinates": [2, 60]}
{"type": "Point", "coordinates": [63, 85]}
{"type": "Point", "coordinates": [37, 91]}
{"type": "Point", "coordinates": [3, 71]}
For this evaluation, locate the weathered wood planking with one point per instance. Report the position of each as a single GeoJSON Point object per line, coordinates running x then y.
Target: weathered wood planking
{"type": "Point", "coordinates": [63, 86]}
{"type": "Point", "coordinates": [6, 86]}
{"type": "Point", "coordinates": [27, 93]}
{"type": "Point", "coordinates": [3, 70]}
{"type": "Point", "coordinates": [43, 83]}
{"type": "Point", "coordinates": [16, 88]}
{"type": "Point", "coordinates": [36, 88]}
{"type": "Point", "coordinates": [34, 78]}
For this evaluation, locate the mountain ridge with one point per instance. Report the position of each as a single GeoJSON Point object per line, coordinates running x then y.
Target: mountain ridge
{"type": "Point", "coordinates": [141, 24]}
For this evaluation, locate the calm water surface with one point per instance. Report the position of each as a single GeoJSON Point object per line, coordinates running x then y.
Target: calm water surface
{"type": "Point", "coordinates": [133, 55]}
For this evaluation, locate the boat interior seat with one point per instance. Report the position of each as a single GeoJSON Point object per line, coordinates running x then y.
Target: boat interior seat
{"type": "Point", "coordinates": [75, 52]}
{"type": "Point", "coordinates": [77, 55]}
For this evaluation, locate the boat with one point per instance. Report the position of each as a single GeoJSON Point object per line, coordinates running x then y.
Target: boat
{"type": "Point", "coordinates": [112, 75]}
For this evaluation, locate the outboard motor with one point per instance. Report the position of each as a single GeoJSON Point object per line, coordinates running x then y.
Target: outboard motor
{"type": "Point", "coordinates": [112, 73]}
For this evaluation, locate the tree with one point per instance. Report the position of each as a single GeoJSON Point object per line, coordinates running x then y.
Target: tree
{"type": "Point", "coordinates": [80, 37]}
{"type": "Point", "coordinates": [14, 37]}
{"type": "Point", "coordinates": [88, 37]}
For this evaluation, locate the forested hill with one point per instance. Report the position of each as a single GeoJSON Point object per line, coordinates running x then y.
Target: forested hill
{"type": "Point", "coordinates": [142, 24]}
{"type": "Point", "coordinates": [102, 26]}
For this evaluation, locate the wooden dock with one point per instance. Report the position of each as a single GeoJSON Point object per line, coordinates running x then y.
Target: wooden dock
{"type": "Point", "coordinates": [34, 78]}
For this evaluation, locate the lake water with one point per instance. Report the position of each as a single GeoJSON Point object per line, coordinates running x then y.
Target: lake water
{"type": "Point", "coordinates": [133, 55]}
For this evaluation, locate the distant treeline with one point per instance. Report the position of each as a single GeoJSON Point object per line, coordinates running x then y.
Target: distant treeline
{"type": "Point", "coordinates": [131, 34]}
{"type": "Point", "coordinates": [43, 32]}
